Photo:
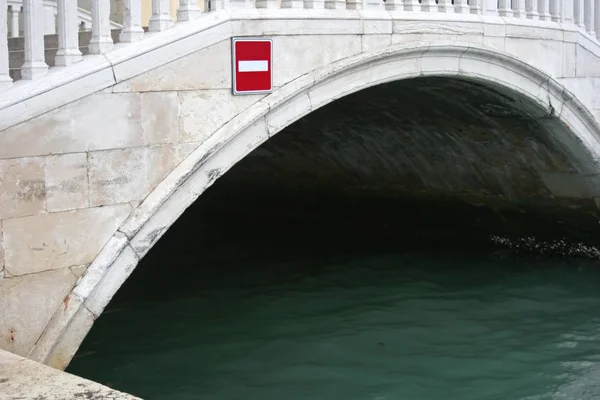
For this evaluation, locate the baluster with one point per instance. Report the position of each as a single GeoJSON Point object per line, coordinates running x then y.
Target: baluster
{"type": "Point", "coordinates": [504, 8]}
{"type": "Point", "coordinates": [33, 20]}
{"type": "Point", "coordinates": [544, 10]}
{"type": "Point", "coordinates": [5, 80]}
{"type": "Point", "coordinates": [566, 12]}
{"type": "Point", "coordinates": [132, 21]}
{"type": "Point", "coordinates": [597, 18]}
{"type": "Point", "coordinates": [228, 4]}
{"type": "Point", "coordinates": [374, 5]}
{"type": "Point", "coordinates": [445, 6]}
{"type": "Point", "coordinates": [189, 10]}
{"type": "Point", "coordinates": [475, 6]}
{"type": "Point", "coordinates": [554, 10]}
{"type": "Point", "coordinates": [300, 3]}
{"type": "Point", "coordinates": [578, 13]}
{"type": "Point", "coordinates": [391, 5]}
{"type": "Point", "coordinates": [68, 34]}
{"type": "Point", "coordinates": [268, 3]}
{"type": "Point", "coordinates": [350, 4]}
{"type": "Point", "coordinates": [412, 5]}
{"type": "Point", "coordinates": [531, 9]}
{"type": "Point", "coordinates": [588, 16]}
{"type": "Point", "coordinates": [101, 41]}
{"type": "Point", "coordinates": [313, 4]}
{"type": "Point", "coordinates": [161, 18]}
{"type": "Point", "coordinates": [490, 7]}
{"type": "Point", "coordinates": [429, 6]}
{"type": "Point", "coordinates": [518, 8]}
{"type": "Point", "coordinates": [332, 4]}
{"type": "Point", "coordinates": [13, 20]}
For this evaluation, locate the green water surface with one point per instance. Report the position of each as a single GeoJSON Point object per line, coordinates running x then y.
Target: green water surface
{"type": "Point", "coordinates": [418, 324]}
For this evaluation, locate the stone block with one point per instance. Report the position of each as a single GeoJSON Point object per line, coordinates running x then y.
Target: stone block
{"type": "Point", "coordinates": [474, 66]}
{"type": "Point", "coordinates": [449, 30]}
{"type": "Point", "coordinates": [169, 46]}
{"type": "Point", "coordinates": [160, 113]}
{"type": "Point", "coordinates": [288, 113]}
{"type": "Point", "coordinates": [545, 55]}
{"type": "Point", "coordinates": [59, 240]}
{"type": "Point", "coordinates": [344, 84]}
{"type": "Point", "coordinates": [587, 90]}
{"type": "Point", "coordinates": [305, 57]}
{"type": "Point", "coordinates": [56, 327]}
{"type": "Point", "coordinates": [73, 335]}
{"type": "Point", "coordinates": [30, 99]}
{"type": "Point", "coordinates": [22, 188]}
{"type": "Point", "coordinates": [439, 64]}
{"type": "Point", "coordinates": [205, 111]}
{"type": "Point", "coordinates": [27, 304]}
{"type": "Point", "coordinates": [121, 176]}
{"type": "Point", "coordinates": [21, 378]}
{"type": "Point", "coordinates": [112, 280]}
{"type": "Point", "coordinates": [376, 22]}
{"type": "Point", "coordinates": [305, 22]}
{"type": "Point", "coordinates": [587, 64]}
{"type": "Point", "coordinates": [209, 68]}
{"type": "Point", "coordinates": [114, 123]}
{"type": "Point", "coordinates": [66, 182]}
{"type": "Point", "coordinates": [1, 252]}
{"type": "Point", "coordinates": [596, 114]}
{"type": "Point", "coordinates": [569, 59]}
{"type": "Point", "coordinates": [374, 42]}
{"type": "Point", "coordinates": [494, 42]}
{"type": "Point", "coordinates": [430, 37]}
{"type": "Point", "coordinates": [535, 30]}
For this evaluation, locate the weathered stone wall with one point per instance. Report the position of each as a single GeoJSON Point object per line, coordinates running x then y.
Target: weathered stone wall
{"type": "Point", "coordinates": [88, 187]}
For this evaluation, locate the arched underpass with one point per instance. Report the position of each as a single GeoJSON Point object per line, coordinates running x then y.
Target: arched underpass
{"type": "Point", "coordinates": [349, 257]}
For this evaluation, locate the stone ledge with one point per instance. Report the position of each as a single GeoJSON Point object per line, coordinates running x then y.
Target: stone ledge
{"type": "Point", "coordinates": [23, 379]}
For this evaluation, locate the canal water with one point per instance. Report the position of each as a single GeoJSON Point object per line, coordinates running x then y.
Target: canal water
{"type": "Point", "coordinates": [229, 308]}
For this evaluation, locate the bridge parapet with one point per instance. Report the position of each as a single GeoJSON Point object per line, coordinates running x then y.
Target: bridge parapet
{"type": "Point", "coordinates": [579, 13]}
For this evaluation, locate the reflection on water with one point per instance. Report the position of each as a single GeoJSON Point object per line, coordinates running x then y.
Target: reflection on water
{"type": "Point", "coordinates": [429, 323]}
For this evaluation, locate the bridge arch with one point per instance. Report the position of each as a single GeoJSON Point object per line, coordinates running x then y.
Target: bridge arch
{"type": "Point", "coordinates": [544, 97]}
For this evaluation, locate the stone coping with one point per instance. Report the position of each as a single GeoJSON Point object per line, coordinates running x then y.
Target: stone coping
{"type": "Point", "coordinates": [21, 378]}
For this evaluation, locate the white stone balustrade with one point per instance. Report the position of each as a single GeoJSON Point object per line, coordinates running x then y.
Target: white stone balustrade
{"type": "Point", "coordinates": [29, 20]}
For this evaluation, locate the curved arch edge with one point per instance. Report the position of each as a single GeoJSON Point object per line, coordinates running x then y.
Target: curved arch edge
{"type": "Point", "coordinates": [268, 116]}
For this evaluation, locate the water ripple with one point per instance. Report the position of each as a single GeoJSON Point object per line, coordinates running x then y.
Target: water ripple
{"type": "Point", "coordinates": [399, 326]}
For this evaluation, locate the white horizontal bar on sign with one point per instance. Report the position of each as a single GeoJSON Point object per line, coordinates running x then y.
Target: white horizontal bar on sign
{"type": "Point", "coordinates": [253, 66]}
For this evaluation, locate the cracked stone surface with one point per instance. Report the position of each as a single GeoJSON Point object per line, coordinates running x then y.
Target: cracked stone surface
{"type": "Point", "coordinates": [23, 379]}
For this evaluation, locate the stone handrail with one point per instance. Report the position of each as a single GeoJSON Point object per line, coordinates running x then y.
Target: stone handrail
{"type": "Point", "coordinates": [580, 13]}
{"type": "Point", "coordinates": [15, 15]}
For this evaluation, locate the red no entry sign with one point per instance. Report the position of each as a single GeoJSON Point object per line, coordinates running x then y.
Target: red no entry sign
{"type": "Point", "coordinates": [252, 65]}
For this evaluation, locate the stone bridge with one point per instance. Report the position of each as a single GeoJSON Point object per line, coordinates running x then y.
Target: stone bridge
{"type": "Point", "coordinates": [102, 153]}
